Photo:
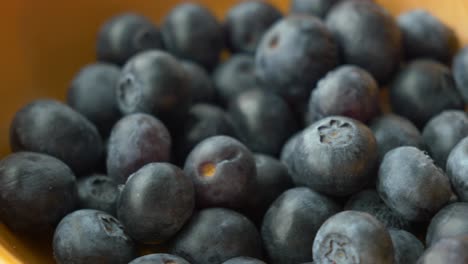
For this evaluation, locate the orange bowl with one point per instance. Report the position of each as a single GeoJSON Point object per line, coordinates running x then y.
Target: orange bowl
{"type": "Point", "coordinates": [46, 42]}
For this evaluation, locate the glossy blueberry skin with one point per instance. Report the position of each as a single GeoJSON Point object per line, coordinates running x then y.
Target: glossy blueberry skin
{"type": "Point", "coordinates": [203, 121]}
{"type": "Point", "coordinates": [201, 86]}
{"type": "Point", "coordinates": [450, 221]}
{"type": "Point", "coordinates": [92, 237]}
{"type": "Point", "coordinates": [348, 156]}
{"type": "Point", "coordinates": [460, 69]}
{"type": "Point", "coordinates": [98, 192]}
{"type": "Point", "coordinates": [347, 91]}
{"type": "Point", "coordinates": [392, 131]}
{"type": "Point", "coordinates": [36, 191]}
{"type": "Point", "coordinates": [50, 127]}
{"type": "Point", "coordinates": [159, 259]}
{"type": "Point", "coordinates": [92, 93]}
{"type": "Point", "coordinates": [263, 120]}
{"type": "Point", "coordinates": [291, 222]}
{"type": "Point", "coordinates": [244, 260]}
{"type": "Point", "coordinates": [155, 203]}
{"type": "Point", "coordinates": [349, 236]}
{"type": "Point", "coordinates": [216, 235]}
{"type": "Point", "coordinates": [443, 132]}
{"type": "Point", "coordinates": [293, 55]}
{"type": "Point", "coordinates": [318, 8]}
{"type": "Point", "coordinates": [136, 140]}
{"type": "Point", "coordinates": [191, 32]}
{"type": "Point", "coordinates": [125, 35]}
{"type": "Point", "coordinates": [412, 185]}
{"type": "Point", "coordinates": [425, 36]}
{"type": "Point", "coordinates": [154, 82]}
{"type": "Point", "coordinates": [246, 23]}
{"type": "Point", "coordinates": [223, 172]}
{"type": "Point", "coordinates": [406, 246]}
{"type": "Point", "coordinates": [368, 37]}
{"type": "Point", "coordinates": [369, 201]}
{"type": "Point", "coordinates": [449, 250]}
{"type": "Point", "coordinates": [271, 181]}
{"type": "Point", "coordinates": [235, 75]}
{"type": "Point", "coordinates": [457, 169]}
{"type": "Point", "coordinates": [423, 89]}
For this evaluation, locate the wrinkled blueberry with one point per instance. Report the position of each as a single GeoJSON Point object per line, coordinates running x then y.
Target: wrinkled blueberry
{"type": "Point", "coordinates": [353, 237]}
{"type": "Point", "coordinates": [191, 32]}
{"type": "Point", "coordinates": [347, 91]}
{"type": "Point", "coordinates": [246, 23]}
{"type": "Point", "coordinates": [98, 192]}
{"type": "Point", "coordinates": [36, 191]}
{"type": "Point", "coordinates": [290, 225]}
{"type": "Point", "coordinates": [263, 120]}
{"type": "Point", "coordinates": [215, 235]}
{"type": "Point", "coordinates": [368, 36]}
{"type": "Point", "coordinates": [125, 35]}
{"type": "Point", "coordinates": [93, 94]}
{"type": "Point", "coordinates": [50, 127]}
{"type": "Point", "coordinates": [423, 89]}
{"type": "Point", "coordinates": [411, 184]}
{"type": "Point", "coordinates": [223, 172]}
{"type": "Point", "coordinates": [155, 203]}
{"type": "Point", "coordinates": [92, 237]}
{"type": "Point", "coordinates": [136, 140]}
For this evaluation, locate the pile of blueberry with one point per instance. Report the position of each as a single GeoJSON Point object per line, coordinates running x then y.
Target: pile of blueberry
{"type": "Point", "coordinates": [283, 153]}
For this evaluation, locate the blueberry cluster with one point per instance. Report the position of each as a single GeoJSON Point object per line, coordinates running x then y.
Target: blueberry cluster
{"type": "Point", "coordinates": [333, 134]}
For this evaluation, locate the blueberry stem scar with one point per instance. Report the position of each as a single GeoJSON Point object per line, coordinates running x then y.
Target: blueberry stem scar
{"type": "Point", "coordinates": [208, 169]}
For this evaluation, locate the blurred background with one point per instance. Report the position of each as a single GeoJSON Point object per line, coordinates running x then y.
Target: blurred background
{"type": "Point", "coordinates": [44, 43]}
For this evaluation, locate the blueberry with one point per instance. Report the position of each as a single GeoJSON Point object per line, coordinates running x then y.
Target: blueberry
{"type": "Point", "coordinates": [318, 8]}
{"type": "Point", "coordinates": [263, 119]}
{"type": "Point", "coordinates": [457, 169]}
{"type": "Point", "coordinates": [423, 89]}
{"type": "Point", "coordinates": [244, 260]}
{"type": "Point", "coordinates": [392, 131]}
{"type": "Point", "coordinates": [201, 86]}
{"type": "Point", "coordinates": [92, 93]}
{"type": "Point", "coordinates": [347, 91]}
{"type": "Point", "coordinates": [449, 250]}
{"type": "Point", "coordinates": [235, 75]}
{"type": "Point", "coordinates": [136, 140]}
{"type": "Point", "coordinates": [368, 37]}
{"type": "Point", "coordinates": [191, 32]}
{"type": "Point", "coordinates": [407, 247]}
{"type": "Point", "coordinates": [460, 72]}
{"type": "Point", "coordinates": [271, 181]}
{"type": "Point", "coordinates": [159, 259]}
{"type": "Point", "coordinates": [156, 83]}
{"type": "Point", "coordinates": [246, 23]}
{"type": "Point", "coordinates": [411, 184]}
{"type": "Point", "coordinates": [203, 121]}
{"type": "Point", "coordinates": [125, 35]}
{"type": "Point", "coordinates": [369, 201]}
{"type": "Point", "coordinates": [50, 127]}
{"type": "Point", "coordinates": [223, 172]}
{"type": "Point", "coordinates": [347, 159]}
{"type": "Point", "coordinates": [216, 235]}
{"type": "Point", "coordinates": [36, 191]}
{"type": "Point", "coordinates": [290, 225]}
{"type": "Point", "coordinates": [353, 237]}
{"type": "Point", "coordinates": [293, 55]}
{"type": "Point", "coordinates": [92, 237]}
{"type": "Point", "coordinates": [442, 133]}
{"type": "Point", "coordinates": [425, 36]}
{"type": "Point", "coordinates": [450, 221]}
{"type": "Point", "coordinates": [98, 192]}
{"type": "Point", "coordinates": [288, 151]}
{"type": "Point", "coordinates": [155, 203]}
